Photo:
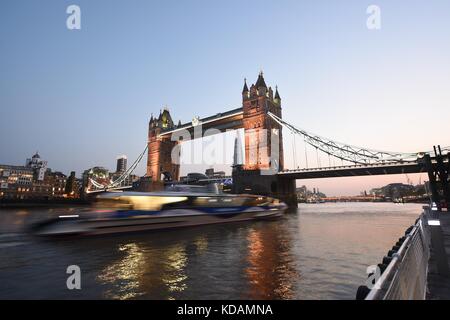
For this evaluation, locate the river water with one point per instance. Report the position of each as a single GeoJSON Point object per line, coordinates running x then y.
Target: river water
{"type": "Point", "coordinates": [319, 252]}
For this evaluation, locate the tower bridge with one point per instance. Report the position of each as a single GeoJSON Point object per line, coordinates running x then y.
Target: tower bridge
{"type": "Point", "coordinates": [262, 170]}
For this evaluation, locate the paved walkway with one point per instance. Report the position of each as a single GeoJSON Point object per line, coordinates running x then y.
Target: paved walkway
{"type": "Point", "coordinates": [438, 285]}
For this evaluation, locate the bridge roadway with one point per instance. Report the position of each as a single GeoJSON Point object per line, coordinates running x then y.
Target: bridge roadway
{"type": "Point", "coordinates": [344, 171]}
{"type": "Point", "coordinates": [355, 170]}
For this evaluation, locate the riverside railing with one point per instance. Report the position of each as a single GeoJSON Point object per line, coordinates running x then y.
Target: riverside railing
{"type": "Point", "coordinates": [404, 269]}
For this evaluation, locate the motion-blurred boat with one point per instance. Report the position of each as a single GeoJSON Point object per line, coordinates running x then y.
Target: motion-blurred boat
{"type": "Point", "coordinates": [118, 212]}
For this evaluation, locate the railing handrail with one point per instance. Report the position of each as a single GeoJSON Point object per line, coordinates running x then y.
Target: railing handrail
{"type": "Point", "coordinates": [391, 268]}
{"type": "Point", "coordinates": [385, 284]}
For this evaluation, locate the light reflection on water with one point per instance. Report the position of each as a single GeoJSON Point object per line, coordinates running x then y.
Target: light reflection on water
{"type": "Point", "coordinates": [174, 276]}
{"type": "Point", "coordinates": [321, 252]}
{"type": "Point", "coordinates": [270, 272]}
{"type": "Point", "coordinates": [124, 274]}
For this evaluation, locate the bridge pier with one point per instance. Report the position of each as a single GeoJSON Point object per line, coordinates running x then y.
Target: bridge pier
{"type": "Point", "coordinates": [438, 174]}
{"type": "Point", "coordinates": [253, 182]}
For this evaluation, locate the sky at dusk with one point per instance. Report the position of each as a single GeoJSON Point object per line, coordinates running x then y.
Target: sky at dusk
{"type": "Point", "coordinates": [83, 97]}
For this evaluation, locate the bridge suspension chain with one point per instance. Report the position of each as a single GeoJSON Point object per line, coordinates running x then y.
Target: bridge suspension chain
{"type": "Point", "coordinates": [116, 183]}
{"type": "Point", "coordinates": [346, 152]}
{"type": "Point", "coordinates": [128, 172]}
{"type": "Point", "coordinates": [96, 184]}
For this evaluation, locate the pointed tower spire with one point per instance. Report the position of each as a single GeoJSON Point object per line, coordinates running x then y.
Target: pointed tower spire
{"type": "Point", "coordinates": [277, 95]}
{"type": "Point", "coordinates": [245, 89]}
{"type": "Point", "coordinates": [260, 82]}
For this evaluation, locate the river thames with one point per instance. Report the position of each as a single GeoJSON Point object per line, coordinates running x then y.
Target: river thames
{"type": "Point", "coordinates": [320, 252]}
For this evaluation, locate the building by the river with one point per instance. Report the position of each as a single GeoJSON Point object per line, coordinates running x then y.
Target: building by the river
{"type": "Point", "coordinates": [32, 181]}
{"type": "Point", "coordinates": [121, 164]}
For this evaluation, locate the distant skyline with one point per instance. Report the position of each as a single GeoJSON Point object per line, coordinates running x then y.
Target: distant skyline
{"type": "Point", "coordinates": [83, 97]}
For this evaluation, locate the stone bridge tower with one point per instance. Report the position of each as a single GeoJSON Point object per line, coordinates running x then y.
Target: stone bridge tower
{"type": "Point", "coordinates": [159, 159]}
{"type": "Point", "coordinates": [259, 127]}
{"type": "Point", "coordinates": [263, 138]}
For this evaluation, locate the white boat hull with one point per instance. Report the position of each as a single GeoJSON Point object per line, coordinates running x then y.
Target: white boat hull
{"type": "Point", "coordinates": [166, 220]}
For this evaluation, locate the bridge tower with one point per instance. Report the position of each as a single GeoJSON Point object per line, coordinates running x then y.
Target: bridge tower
{"type": "Point", "coordinates": [263, 145]}
{"type": "Point", "coordinates": [159, 160]}
{"type": "Point", "coordinates": [259, 126]}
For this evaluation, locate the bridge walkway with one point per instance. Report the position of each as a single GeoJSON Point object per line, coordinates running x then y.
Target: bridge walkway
{"type": "Point", "coordinates": [417, 267]}
{"type": "Point", "coordinates": [438, 284]}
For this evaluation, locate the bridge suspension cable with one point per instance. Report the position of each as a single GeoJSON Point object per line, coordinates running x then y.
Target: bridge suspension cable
{"type": "Point", "coordinates": [116, 183]}
{"type": "Point", "coordinates": [306, 153]}
{"type": "Point", "coordinates": [346, 152]}
{"type": "Point", "coordinates": [294, 153]}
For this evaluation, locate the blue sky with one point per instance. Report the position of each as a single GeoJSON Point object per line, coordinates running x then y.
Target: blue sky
{"type": "Point", "coordinates": [82, 97]}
